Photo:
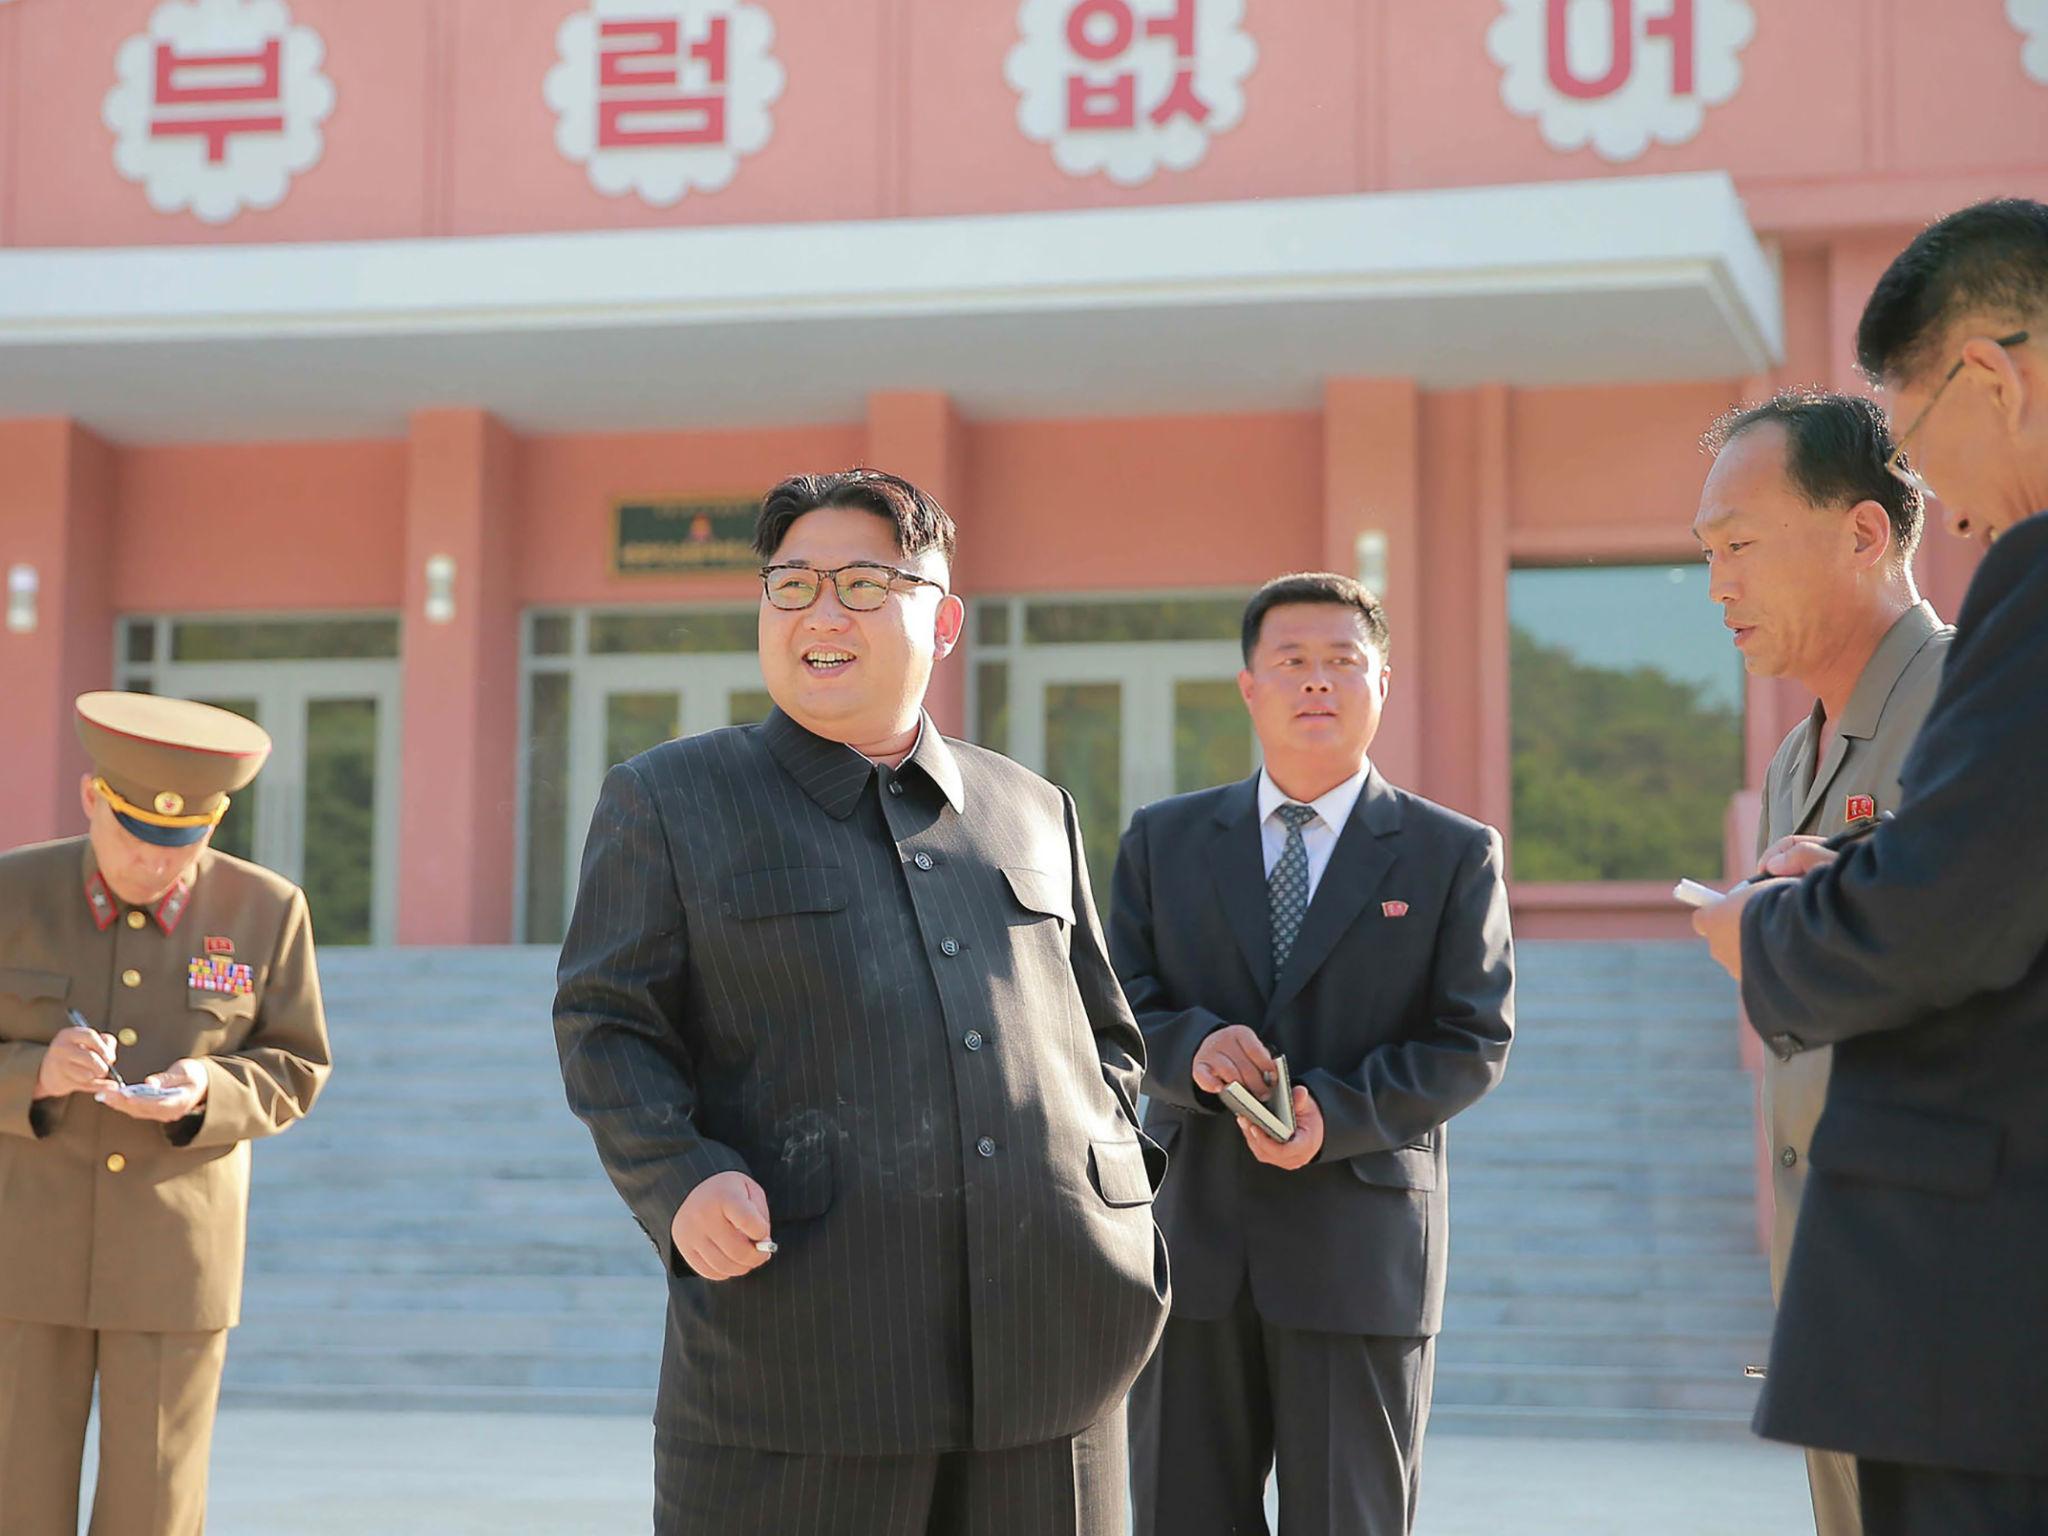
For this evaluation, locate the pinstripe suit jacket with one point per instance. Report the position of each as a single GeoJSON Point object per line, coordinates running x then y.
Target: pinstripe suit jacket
{"type": "Point", "coordinates": [883, 994]}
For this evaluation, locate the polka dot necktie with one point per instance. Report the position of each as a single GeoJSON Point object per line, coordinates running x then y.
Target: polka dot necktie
{"type": "Point", "coordinates": [1287, 886]}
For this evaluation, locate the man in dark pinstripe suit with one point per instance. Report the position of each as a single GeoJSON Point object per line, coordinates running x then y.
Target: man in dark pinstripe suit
{"type": "Point", "coordinates": [836, 1008]}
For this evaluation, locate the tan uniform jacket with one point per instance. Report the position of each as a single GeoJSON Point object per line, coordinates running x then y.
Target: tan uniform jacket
{"type": "Point", "coordinates": [111, 1222]}
{"type": "Point", "coordinates": [1861, 763]}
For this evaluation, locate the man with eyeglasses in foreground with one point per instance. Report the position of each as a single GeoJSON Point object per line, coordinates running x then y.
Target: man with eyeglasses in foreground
{"type": "Point", "coordinates": [835, 1005]}
{"type": "Point", "coordinates": [1909, 1331]}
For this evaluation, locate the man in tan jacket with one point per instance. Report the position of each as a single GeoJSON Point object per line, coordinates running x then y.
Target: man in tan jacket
{"type": "Point", "coordinates": [1810, 542]}
{"type": "Point", "coordinates": [158, 1009]}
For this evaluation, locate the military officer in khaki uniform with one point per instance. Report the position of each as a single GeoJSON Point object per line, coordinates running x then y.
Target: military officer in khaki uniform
{"type": "Point", "coordinates": [1810, 542]}
{"type": "Point", "coordinates": [158, 1010]}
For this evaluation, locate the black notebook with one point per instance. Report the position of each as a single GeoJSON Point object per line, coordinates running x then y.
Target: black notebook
{"type": "Point", "coordinates": [1275, 1113]}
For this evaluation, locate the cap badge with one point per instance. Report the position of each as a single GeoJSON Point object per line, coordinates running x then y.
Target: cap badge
{"type": "Point", "coordinates": [170, 803]}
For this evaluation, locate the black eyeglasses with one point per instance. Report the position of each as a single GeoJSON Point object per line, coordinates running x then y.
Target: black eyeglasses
{"type": "Point", "coordinates": [862, 587]}
{"type": "Point", "coordinates": [1900, 470]}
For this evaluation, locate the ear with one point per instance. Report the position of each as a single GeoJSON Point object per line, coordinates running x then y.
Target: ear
{"type": "Point", "coordinates": [1244, 686]}
{"type": "Point", "coordinates": [2008, 379]}
{"type": "Point", "coordinates": [88, 797]}
{"type": "Point", "coordinates": [1386, 675]}
{"type": "Point", "coordinates": [1871, 527]}
{"type": "Point", "coordinates": [948, 625]}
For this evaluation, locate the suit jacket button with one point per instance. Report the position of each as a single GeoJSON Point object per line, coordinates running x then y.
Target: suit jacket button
{"type": "Point", "coordinates": [973, 1042]}
{"type": "Point", "coordinates": [949, 947]}
{"type": "Point", "coordinates": [923, 861]}
{"type": "Point", "coordinates": [116, 1162]}
{"type": "Point", "coordinates": [986, 1146]}
{"type": "Point", "coordinates": [895, 786]}
{"type": "Point", "coordinates": [127, 1037]}
{"type": "Point", "coordinates": [1788, 1157]}
{"type": "Point", "coordinates": [131, 978]}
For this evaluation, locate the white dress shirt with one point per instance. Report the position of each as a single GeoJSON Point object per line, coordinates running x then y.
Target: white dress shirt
{"type": "Point", "coordinates": [1319, 836]}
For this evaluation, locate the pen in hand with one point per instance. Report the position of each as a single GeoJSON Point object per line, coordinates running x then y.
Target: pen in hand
{"type": "Point", "coordinates": [1850, 835]}
{"type": "Point", "coordinates": [77, 1018]}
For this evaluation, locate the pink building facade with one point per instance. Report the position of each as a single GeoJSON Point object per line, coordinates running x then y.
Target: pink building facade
{"type": "Point", "coordinates": [399, 373]}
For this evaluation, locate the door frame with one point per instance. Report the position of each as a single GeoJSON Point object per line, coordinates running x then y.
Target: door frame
{"type": "Point", "coordinates": [282, 690]}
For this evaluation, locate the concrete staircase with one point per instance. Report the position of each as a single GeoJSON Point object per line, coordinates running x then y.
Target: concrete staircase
{"type": "Point", "coordinates": [439, 1235]}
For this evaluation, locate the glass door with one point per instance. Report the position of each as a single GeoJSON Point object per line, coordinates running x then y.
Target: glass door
{"type": "Point", "coordinates": [323, 812]}
{"type": "Point", "coordinates": [1120, 725]}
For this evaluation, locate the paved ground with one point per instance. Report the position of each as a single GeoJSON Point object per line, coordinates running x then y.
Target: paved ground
{"type": "Point", "coordinates": [427, 1474]}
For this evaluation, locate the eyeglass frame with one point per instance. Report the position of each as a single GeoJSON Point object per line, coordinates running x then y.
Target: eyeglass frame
{"type": "Point", "coordinates": [831, 577]}
{"type": "Point", "coordinates": [1895, 463]}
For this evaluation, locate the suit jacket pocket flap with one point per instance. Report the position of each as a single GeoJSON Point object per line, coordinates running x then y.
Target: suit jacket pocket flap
{"type": "Point", "coordinates": [1119, 1171]}
{"type": "Point", "coordinates": [30, 985]}
{"type": "Point", "coordinates": [1909, 1148]}
{"type": "Point", "coordinates": [1397, 1168]}
{"type": "Point", "coordinates": [1036, 891]}
{"type": "Point", "coordinates": [758, 893]}
{"type": "Point", "coordinates": [224, 1006]}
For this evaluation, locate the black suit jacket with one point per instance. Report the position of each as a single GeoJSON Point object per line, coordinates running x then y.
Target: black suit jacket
{"type": "Point", "coordinates": [1393, 1022]}
{"type": "Point", "coordinates": [884, 995]}
{"type": "Point", "coordinates": [1914, 1324]}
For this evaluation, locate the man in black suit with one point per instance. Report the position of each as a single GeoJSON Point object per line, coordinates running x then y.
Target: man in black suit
{"type": "Point", "coordinates": [1910, 1332]}
{"type": "Point", "coordinates": [835, 1006]}
{"type": "Point", "coordinates": [1317, 912]}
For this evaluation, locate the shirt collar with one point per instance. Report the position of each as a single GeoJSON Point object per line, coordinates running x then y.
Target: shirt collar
{"type": "Point", "coordinates": [1334, 805]}
{"type": "Point", "coordinates": [106, 907]}
{"type": "Point", "coordinates": [836, 775]}
{"type": "Point", "coordinates": [1887, 664]}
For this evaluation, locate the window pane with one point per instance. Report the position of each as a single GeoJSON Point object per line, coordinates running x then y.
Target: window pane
{"type": "Point", "coordinates": [142, 640]}
{"type": "Point", "coordinates": [547, 807]}
{"type": "Point", "coordinates": [749, 706]}
{"type": "Point", "coordinates": [672, 632]}
{"type": "Point", "coordinates": [1084, 753]}
{"type": "Point", "coordinates": [992, 622]}
{"type": "Point", "coordinates": [551, 634]}
{"type": "Point", "coordinates": [1212, 735]}
{"type": "Point", "coordinates": [633, 722]}
{"type": "Point", "coordinates": [1185, 618]}
{"type": "Point", "coordinates": [992, 705]}
{"type": "Point", "coordinates": [1627, 725]}
{"type": "Point", "coordinates": [236, 833]}
{"type": "Point", "coordinates": [341, 802]}
{"type": "Point", "coordinates": [282, 639]}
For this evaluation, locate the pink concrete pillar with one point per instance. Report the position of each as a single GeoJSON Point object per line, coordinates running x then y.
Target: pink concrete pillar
{"type": "Point", "coordinates": [919, 435]}
{"type": "Point", "coordinates": [461, 740]}
{"type": "Point", "coordinates": [1490, 564]}
{"type": "Point", "coordinates": [1372, 510]}
{"type": "Point", "coordinates": [56, 524]}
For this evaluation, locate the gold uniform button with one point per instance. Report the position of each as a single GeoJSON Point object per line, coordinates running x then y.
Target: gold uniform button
{"type": "Point", "coordinates": [116, 1162]}
{"type": "Point", "coordinates": [131, 978]}
{"type": "Point", "coordinates": [127, 1037]}
{"type": "Point", "coordinates": [136, 919]}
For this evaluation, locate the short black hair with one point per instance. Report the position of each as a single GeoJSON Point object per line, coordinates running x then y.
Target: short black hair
{"type": "Point", "coordinates": [1837, 447]}
{"type": "Point", "coordinates": [920, 522]}
{"type": "Point", "coordinates": [1990, 259]}
{"type": "Point", "coordinates": [1315, 587]}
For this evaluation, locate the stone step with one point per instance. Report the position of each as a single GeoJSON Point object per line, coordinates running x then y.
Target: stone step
{"type": "Point", "coordinates": [1626, 1316]}
{"type": "Point", "coordinates": [1587, 1423]}
{"type": "Point", "coordinates": [1575, 1387]}
{"type": "Point", "coordinates": [1707, 1354]}
{"type": "Point", "coordinates": [634, 1332]}
{"type": "Point", "coordinates": [635, 1402]}
{"type": "Point", "coordinates": [1718, 1276]}
{"type": "Point", "coordinates": [368, 1364]}
{"type": "Point", "coordinates": [632, 1293]}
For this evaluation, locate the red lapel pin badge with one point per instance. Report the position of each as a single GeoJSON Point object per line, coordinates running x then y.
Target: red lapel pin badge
{"type": "Point", "coordinates": [1860, 808]}
{"type": "Point", "coordinates": [1394, 908]}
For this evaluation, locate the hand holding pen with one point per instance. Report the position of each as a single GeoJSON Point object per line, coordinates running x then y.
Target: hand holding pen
{"type": "Point", "coordinates": [78, 1060]}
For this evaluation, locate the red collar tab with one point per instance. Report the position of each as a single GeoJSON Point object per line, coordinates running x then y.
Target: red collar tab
{"type": "Point", "coordinates": [101, 902]}
{"type": "Point", "coordinates": [172, 907]}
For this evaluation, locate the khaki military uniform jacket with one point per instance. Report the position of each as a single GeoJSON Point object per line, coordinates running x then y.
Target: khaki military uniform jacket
{"type": "Point", "coordinates": [112, 1222]}
{"type": "Point", "coordinates": [1856, 778]}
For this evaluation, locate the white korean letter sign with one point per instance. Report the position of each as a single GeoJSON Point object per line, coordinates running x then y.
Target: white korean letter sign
{"type": "Point", "coordinates": [1619, 74]}
{"type": "Point", "coordinates": [218, 105]}
{"type": "Point", "coordinates": [664, 97]}
{"type": "Point", "coordinates": [2031, 17]}
{"type": "Point", "coordinates": [1129, 87]}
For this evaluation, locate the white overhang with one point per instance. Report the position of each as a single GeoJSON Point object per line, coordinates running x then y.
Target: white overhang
{"type": "Point", "coordinates": [1139, 311]}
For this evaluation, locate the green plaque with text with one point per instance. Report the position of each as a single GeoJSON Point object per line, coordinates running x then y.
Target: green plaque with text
{"type": "Point", "coordinates": [681, 538]}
